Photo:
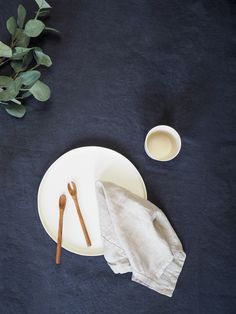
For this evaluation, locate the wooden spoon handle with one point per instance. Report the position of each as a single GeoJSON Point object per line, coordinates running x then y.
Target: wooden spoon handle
{"type": "Point", "coordinates": [59, 237]}
{"type": "Point", "coordinates": [86, 235]}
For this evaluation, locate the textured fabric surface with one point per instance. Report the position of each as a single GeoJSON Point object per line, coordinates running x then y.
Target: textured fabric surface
{"type": "Point", "coordinates": [120, 68]}
{"type": "Point", "coordinates": [138, 238]}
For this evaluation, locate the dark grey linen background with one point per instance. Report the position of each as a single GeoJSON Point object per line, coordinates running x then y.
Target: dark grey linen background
{"type": "Point", "coordinates": [120, 68]}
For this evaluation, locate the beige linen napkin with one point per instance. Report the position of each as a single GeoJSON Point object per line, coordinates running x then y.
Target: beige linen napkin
{"type": "Point", "coordinates": [138, 238]}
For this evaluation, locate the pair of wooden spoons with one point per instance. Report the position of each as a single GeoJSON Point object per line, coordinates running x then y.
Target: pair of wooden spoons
{"type": "Point", "coordinates": [62, 204]}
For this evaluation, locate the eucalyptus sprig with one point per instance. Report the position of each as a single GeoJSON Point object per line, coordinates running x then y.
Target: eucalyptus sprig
{"type": "Point", "coordinates": [23, 59]}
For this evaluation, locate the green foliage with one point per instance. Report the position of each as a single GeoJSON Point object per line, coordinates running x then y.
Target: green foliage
{"type": "Point", "coordinates": [21, 16]}
{"type": "Point", "coordinates": [24, 59]}
{"type": "Point", "coordinates": [19, 53]}
{"type": "Point", "coordinates": [42, 4]}
{"type": "Point", "coordinates": [42, 59]}
{"type": "Point", "coordinates": [15, 110]}
{"type": "Point", "coordinates": [5, 51]}
{"type": "Point", "coordinates": [10, 89]}
{"type": "Point", "coordinates": [40, 91]}
{"type": "Point", "coordinates": [11, 25]}
{"type": "Point", "coordinates": [30, 77]}
{"type": "Point", "coordinates": [34, 28]}
{"type": "Point", "coordinates": [20, 39]}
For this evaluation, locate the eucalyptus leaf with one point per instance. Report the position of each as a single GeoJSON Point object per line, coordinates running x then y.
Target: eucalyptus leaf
{"type": "Point", "coordinates": [18, 82]}
{"type": "Point", "coordinates": [11, 25]}
{"type": "Point", "coordinates": [11, 90]}
{"type": "Point", "coordinates": [21, 65]}
{"type": "Point", "coordinates": [19, 53]}
{"type": "Point", "coordinates": [6, 95]}
{"type": "Point", "coordinates": [5, 81]}
{"type": "Point", "coordinates": [33, 28]}
{"type": "Point", "coordinates": [21, 16]}
{"type": "Point", "coordinates": [5, 51]}
{"type": "Point", "coordinates": [42, 58]}
{"type": "Point", "coordinates": [16, 110]}
{"type": "Point", "coordinates": [21, 39]}
{"type": "Point", "coordinates": [17, 65]}
{"type": "Point", "coordinates": [27, 59]}
{"type": "Point", "coordinates": [42, 4]}
{"type": "Point", "coordinates": [40, 91]}
{"type": "Point", "coordinates": [37, 49]}
{"type": "Point", "coordinates": [30, 77]}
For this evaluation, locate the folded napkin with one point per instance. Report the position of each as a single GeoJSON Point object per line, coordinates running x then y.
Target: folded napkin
{"type": "Point", "coordinates": [139, 239]}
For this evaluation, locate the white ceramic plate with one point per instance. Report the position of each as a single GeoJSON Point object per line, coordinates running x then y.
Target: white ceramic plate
{"type": "Point", "coordinates": [84, 166]}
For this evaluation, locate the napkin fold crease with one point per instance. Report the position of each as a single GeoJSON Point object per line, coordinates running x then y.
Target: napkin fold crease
{"type": "Point", "coordinates": [138, 238]}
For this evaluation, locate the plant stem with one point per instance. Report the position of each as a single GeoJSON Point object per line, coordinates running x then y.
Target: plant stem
{"type": "Point", "coordinates": [37, 14]}
{"type": "Point", "coordinates": [51, 29]}
{"type": "Point", "coordinates": [14, 76]}
{"type": "Point", "coordinates": [5, 61]}
{"type": "Point", "coordinates": [34, 67]}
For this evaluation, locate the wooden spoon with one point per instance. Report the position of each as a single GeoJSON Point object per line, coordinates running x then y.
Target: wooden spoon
{"type": "Point", "coordinates": [62, 204]}
{"type": "Point", "coordinates": [73, 192]}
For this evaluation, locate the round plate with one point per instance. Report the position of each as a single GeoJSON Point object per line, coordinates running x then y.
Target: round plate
{"type": "Point", "coordinates": [84, 166]}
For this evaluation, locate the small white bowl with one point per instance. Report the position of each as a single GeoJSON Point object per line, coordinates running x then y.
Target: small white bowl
{"type": "Point", "coordinates": [162, 143]}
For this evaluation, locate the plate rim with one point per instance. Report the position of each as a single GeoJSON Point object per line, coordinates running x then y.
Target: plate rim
{"type": "Point", "coordinates": [97, 252]}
